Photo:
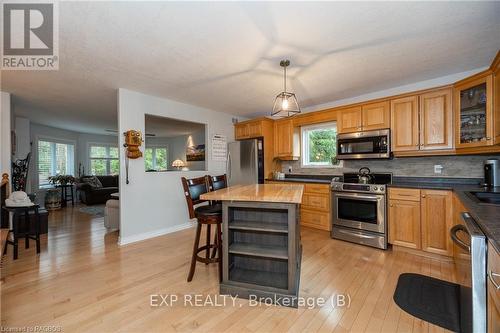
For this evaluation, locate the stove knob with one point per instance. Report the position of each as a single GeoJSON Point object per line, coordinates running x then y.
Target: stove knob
{"type": "Point", "coordinates": [381, 189]}
{"type": "Point", "coordinates": [375, 188]}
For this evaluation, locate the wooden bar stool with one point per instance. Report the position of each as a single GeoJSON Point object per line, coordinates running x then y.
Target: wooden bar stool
{"type": "Point", "coordinates": [217, 182]}
{"type": "Point", "coordinates": [205, 215]}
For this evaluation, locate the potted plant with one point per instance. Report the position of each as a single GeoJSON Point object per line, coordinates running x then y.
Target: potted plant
{"type": "Point", "coordinates": [62, 180]}
{"type": "Point", "coordinates": [53, 195]}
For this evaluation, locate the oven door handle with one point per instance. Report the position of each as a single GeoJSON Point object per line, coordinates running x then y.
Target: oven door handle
{"type": "Point", "coordinates": [453, 233]}
{"type": "Point", "coordinates": [375, 197]}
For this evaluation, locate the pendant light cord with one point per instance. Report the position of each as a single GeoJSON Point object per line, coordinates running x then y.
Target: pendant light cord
{"type": "Point", "coordinates": [284, 78]}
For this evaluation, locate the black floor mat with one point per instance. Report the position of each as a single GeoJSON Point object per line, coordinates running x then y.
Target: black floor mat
{"type": "Point", "coordinates": [435, 301]}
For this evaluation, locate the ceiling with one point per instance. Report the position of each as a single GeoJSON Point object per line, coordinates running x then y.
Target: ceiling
{"type": "Point", "coordinates": [162, 127]}
{"type": "Point", "coordinates": [225, 56]}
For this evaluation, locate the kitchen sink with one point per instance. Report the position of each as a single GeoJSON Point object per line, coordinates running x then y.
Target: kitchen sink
{"type": "Point", "coordinates": [486, 197]}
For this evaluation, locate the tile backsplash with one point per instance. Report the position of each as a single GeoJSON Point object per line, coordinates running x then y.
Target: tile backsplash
{"type": "Point", "coordinates": [453, 166]}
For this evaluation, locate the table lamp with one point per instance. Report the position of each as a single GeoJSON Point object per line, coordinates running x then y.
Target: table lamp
{"type": "Point", "coordinates": [178, 164]}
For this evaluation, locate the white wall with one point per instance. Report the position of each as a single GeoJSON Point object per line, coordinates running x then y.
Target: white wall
{"type": "Point", "coordinates": [153, 203]}
{"type": "Point", "coordinates": [23, 139]}
{"type": "Point", "coordinates": [5, 126]}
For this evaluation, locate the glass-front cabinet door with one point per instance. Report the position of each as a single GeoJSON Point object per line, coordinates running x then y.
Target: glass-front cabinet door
{"type": "Point", "coordinates": [473, 102]}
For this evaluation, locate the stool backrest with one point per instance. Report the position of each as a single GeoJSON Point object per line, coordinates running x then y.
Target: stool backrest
{"type": "Point", "coordinates": [193, 188]}
{"type": "Point", "coordinates": [217, 182]}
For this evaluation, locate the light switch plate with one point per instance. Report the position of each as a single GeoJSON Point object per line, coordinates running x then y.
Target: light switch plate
{"type": "Point", "coordinates": [438, 169]}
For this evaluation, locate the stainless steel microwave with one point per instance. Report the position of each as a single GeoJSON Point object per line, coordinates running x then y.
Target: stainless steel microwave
{"type": "Point", "coordinates": [360, 145]}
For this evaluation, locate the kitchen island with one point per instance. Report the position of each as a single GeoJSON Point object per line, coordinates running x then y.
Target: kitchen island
{"type": "Point", "coordinates": [261, 241]}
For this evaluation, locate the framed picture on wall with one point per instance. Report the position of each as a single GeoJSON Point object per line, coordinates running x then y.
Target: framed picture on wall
{"type": "Point", "coordinates": [195, 153]}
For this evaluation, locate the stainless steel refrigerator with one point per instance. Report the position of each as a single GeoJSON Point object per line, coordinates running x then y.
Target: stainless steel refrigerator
{"type": "Point", "coordinates": [245, 162]}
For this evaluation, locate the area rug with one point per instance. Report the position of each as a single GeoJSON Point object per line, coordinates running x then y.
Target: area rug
{"type": "Point", "coordinates": [97, 211]}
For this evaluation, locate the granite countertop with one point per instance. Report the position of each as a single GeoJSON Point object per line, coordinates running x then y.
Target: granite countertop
{"type": "Point", "coordinates": [487, 216]}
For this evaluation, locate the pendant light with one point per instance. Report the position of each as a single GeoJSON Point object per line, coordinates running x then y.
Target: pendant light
{"type": "Point", "coordinates": [285, 103]}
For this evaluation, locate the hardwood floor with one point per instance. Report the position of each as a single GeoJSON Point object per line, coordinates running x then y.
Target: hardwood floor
{"type": "Point", "coordinates": [83, 281]}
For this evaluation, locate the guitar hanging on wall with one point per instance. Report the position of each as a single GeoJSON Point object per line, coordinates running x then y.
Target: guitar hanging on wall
{"type": "Point", "coordinates": [133, 140]}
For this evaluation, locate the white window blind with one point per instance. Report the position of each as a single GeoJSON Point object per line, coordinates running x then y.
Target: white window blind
{"type": "Point", "coordinates": [104, 160]}
{"type": "Point", "coordinates": [54, 159]}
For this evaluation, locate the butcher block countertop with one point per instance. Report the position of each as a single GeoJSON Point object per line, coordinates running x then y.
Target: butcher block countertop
{"type": "Point", "coordinates": [284, 193]}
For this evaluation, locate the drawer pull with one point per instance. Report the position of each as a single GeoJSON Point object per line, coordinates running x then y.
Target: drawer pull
{"type": "Point", "coordinates": [492, 277]}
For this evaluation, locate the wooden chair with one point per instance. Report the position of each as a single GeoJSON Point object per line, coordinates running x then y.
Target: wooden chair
{"type": "Point", "coordinates": [217, 182]}
{"type": "Point", "coordinates": [205, 215]}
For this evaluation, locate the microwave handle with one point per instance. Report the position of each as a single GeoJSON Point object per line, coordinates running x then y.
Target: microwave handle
{"type": "Point", "coordinates": [453, 233]}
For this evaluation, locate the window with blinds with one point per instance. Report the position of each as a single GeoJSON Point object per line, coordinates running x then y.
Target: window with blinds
{"type": "Point", "coordinates": [54, 159]}
{"type": "Point", "coordinates": [156, 159]}
{"type": "Point", "coordinates": [104, 160]}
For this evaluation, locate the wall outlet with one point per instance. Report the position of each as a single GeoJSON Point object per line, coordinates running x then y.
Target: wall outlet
{"type": "Point", "coordinates": [438, 168]}
{"type": "Point", "coordinates": [289, 169]}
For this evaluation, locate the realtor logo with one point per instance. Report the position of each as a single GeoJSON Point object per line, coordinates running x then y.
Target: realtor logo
{"type": "Point", "coordinates": [30, 36]}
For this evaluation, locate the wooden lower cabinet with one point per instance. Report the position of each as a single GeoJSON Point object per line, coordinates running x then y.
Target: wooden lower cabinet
{"type": "Point", "coordinates": [437, 219]}
{"type": "Point", "coordinates": [458, 209]}
{"type": "Point", "coordinates": [404, 223]}
{"type": "Point", "coordinates": [493, 305]}
{"type": "Point", "coordinates": [315, 219]}
{"type": "Point", "coordinates": [421, 222]}
{"type": "Point", "coordinates": [315, 209]}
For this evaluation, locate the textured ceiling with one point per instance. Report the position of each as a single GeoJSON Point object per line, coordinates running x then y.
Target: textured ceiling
{"type": "Point", "coordinates": [224, 56]}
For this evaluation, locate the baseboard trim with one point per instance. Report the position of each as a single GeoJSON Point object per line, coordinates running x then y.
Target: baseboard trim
{"type": "Point", "coordinates": [152, 234]}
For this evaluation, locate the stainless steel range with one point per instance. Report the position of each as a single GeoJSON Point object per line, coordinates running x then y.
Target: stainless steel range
{"type": "Point", "coordinates": [359, 208]}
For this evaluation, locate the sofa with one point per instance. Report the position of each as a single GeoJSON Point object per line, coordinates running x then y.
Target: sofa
{"type": "Point", "coordinates": [92, 194]}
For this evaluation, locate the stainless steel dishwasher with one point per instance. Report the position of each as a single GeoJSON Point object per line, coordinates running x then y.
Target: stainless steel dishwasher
{"type": "Point", "coordinates": [475, 244]}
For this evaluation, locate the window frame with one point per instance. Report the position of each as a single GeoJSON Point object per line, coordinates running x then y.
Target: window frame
{"type": "Point", "coordinates": [304, 140]}
{"type": "Point", "coordinates": [108, 159]}
{"type": "Point", "coordinates": [54, 140]}
{"type": "Point", "coordinates": [154, 147]}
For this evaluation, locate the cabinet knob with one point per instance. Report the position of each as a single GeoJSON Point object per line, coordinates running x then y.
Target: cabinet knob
{"type": "Point", "coordinates": [488, 138]}
{"type": "Point", "coordinates": [421, 145]}
{"type": "Point", "coordinates": [416, 145]}
{"type": "Point", "coordinates": [423, 195]}
{"type": "Point", "coordinates": [390, 205]}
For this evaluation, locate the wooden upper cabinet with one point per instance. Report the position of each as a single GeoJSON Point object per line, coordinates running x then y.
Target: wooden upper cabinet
{"type": "Point", "coordinates": [404, 223]}
{"type": "Point", "coordinates": [437, 220]}
{"type": "Point", "coordinates": [286, 140]}
{"type": "Point", "coordinates": [250, 129]}
{"type": "Point", "coordinates": [436, 120]}
{"type": "Point", "coordinates": [376, 116]}
{"type": "Point", "coordinates": [404, 124]}
{"type": "Point", "coordinates": [349, 120]}
{"type": "Point", "coordinates": [240, 131]}
{"type": "Point", "coordinates": [255, 129]}
{"type": "Point", "coordinates": [496, 99]}
{"type": "Point", "coordinates": [473, 102]}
